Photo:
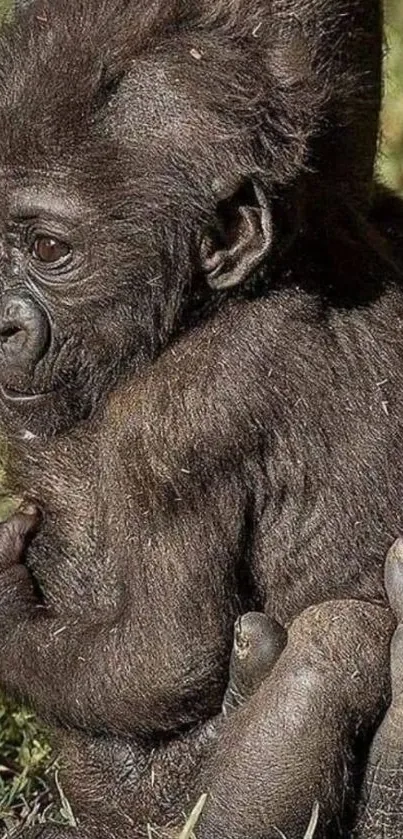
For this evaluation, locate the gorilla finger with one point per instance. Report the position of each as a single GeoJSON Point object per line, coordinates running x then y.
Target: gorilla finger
{"type": "Point", "coordinates": [15, 534]}
{"type": "Point", "coordinates": [260, 640]}
{"type": "Point", "coordinates": [394, 578]}
{"type": "Point", "coordinates": [258, 644]}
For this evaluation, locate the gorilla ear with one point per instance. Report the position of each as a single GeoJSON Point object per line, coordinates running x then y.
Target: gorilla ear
{"type": "Point", "coordinates": [242, 236]}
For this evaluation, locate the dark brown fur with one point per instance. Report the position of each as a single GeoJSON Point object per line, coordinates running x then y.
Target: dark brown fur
{"type": "Point", "coordinates": [200, 451]}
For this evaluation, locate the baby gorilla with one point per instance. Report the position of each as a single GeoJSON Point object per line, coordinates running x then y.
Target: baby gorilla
{"type": "Point", "coordinates": [199, 345]}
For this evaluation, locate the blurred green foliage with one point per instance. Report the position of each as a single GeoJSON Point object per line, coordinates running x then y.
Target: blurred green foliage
{"type": "Point", "coordinates": [27, 796]}
{"type": "Point", "coordinates": [391, 155]}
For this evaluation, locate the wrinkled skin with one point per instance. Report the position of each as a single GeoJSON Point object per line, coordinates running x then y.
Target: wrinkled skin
{"type": "Point", "coordinates": [201, 358]}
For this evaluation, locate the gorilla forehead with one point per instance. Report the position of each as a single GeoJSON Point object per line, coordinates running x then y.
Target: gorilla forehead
{"type": "Point", "coordinates": [180, 76]}
{"type": "Point", "coordinates": [60, 92]}
{"type": "Point", "coordinates": [92, 133]}
{"type": "Point", "coordinates": [154, 104]}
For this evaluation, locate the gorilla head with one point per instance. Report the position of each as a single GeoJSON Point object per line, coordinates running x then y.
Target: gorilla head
{"type": "Point", "coordinates": [158, 160]}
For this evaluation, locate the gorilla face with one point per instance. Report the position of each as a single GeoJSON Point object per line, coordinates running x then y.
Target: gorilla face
{"type": "Point", "coordinates": [135, 181]}
{"type": "Point", "coordinates": [99, 251]}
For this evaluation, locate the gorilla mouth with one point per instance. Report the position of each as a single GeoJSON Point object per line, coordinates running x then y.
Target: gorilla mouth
{"type": "Point", "coordinates": [22, 397]}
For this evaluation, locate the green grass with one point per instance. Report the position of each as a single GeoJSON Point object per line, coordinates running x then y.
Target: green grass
{"type": "Point", "coordinates": [26, 767]}
{"type": "Point", "coordinates": [29, 788]}
{"type": "Point", "coordinates": [391, 155]}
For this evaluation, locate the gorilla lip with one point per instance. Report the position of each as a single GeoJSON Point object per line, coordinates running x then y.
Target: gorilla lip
{"type": "Point", "coordinates": [15, 396]}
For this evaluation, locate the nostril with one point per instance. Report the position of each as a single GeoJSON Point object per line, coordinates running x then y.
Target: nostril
{"type": "Point", "coordinates": [9, 331]}
{"type": "Point", "coordinates": [24, 330]}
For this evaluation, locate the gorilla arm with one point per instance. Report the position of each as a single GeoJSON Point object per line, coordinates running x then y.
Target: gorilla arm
{"type": "Point", "coordinates": [151, 663]}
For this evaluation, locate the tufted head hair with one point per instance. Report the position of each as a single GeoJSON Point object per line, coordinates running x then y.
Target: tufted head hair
{"type": "Point", "coordinates": [266, 84]}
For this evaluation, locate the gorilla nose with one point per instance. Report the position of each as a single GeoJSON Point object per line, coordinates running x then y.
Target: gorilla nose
{"type": "Point", "coordinates": [24, 329]}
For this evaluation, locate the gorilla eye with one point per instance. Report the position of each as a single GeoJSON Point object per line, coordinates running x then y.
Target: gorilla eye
{"type": "Point", "coordinates": [49, 250]}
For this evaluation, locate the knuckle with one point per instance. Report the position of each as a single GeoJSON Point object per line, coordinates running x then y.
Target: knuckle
{"type": "Point", "coordinates": [13, 534]}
